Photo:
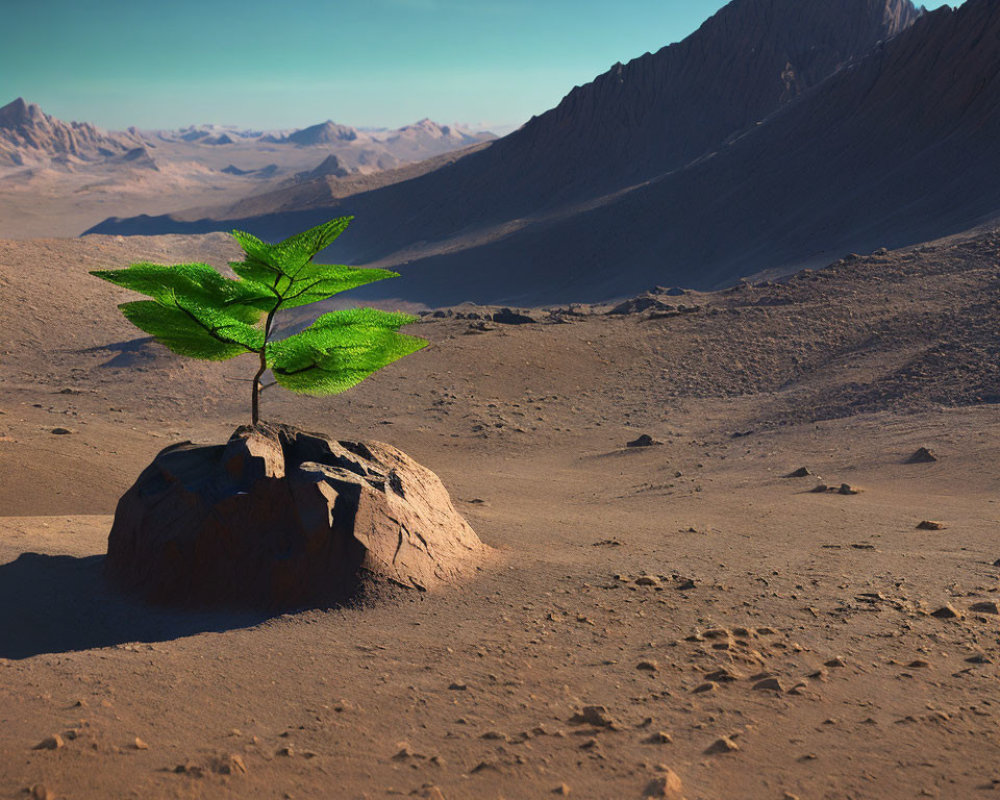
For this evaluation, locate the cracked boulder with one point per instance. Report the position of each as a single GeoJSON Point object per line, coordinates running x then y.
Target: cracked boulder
{"type": "Point", "coordinates": [278, 518]}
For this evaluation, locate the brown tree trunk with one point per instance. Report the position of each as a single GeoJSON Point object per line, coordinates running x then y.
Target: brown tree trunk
{"type": "Point", "coordinates": [255, 400]}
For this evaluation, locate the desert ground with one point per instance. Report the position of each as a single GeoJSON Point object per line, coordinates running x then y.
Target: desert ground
{"type": "Point", "coordinates": [677, 620]}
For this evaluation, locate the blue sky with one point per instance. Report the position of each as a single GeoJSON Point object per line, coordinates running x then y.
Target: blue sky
{"type": "Point", "coordinates": [293, 63]}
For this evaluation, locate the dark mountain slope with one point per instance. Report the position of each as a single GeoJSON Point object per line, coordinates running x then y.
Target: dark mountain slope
{"type": "Point", "coordinates": [633, 123]}
{"type": "Point", "coordinates": [896, 150]}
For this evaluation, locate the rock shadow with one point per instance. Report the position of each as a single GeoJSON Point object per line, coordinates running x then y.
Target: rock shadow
{"type": "Point", "coordinates": [143, 351]}
{"type": "Point", "coordinates": [57, 604]}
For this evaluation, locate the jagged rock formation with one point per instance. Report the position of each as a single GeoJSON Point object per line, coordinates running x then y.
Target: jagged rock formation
{"type": "Point", "coordinates": [278, 518]}
{"type": "Point", "coordinates": [331, 166]}
{"type": "Point", "coordinates": [29, 136]}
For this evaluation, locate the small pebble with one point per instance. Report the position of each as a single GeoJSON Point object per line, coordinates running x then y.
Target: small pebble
{"type": "Point", "coordinates": [53, 742]}
{"type": "Point", "coordinates": [666, 785]}
{"type": "Point", "coordinates": [723, 745]}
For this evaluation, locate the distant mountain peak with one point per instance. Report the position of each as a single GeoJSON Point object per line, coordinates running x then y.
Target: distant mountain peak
{"type": "Point", "coordinates": [29, 135]}
{"type": "Point", "coordinates": [324, 133]}
{"type": "Point", "coordinates": [19, 112]}
{"type": "Point", "coordinates": [331, 166]}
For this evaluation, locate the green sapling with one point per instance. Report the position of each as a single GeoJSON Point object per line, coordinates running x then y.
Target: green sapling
{"type": "Point", "coordinates": [195, 311]}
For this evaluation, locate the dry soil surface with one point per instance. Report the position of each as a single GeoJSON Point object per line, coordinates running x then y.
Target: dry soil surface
{"type": "Point", "coordinates": [679, 614]}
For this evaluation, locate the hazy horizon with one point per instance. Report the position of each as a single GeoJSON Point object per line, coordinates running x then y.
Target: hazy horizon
{"type": "Point", "coordinates": [488, 65]}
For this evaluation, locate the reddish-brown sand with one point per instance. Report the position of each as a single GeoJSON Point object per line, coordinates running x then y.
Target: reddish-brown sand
{"type": "Point", "coordinates": [757, 639]}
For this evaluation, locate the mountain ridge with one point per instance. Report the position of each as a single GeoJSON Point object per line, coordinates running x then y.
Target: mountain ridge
{"type": "Point", "coordinates": [29, 135]}
{"type": "Point", "coordinates": [636, 123]}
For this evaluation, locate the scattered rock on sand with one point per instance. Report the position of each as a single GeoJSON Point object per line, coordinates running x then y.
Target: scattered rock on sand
{"type": "Point", "coordinates": [506, 316]}
{"type": "Point", "coordinates": [645, 440]}
{"type": "Point", "coordinates": [281, 518]}
{"type": "Point", "coordinates": [801, 472]}
{"type": "Point", "coordinates": [53, 742]}
{"type": "Point", "coordinates": [232, 764]}
{"type": "Point", "coordinates": [666, 785]}
{"type": "Point", "coordinates": [42, 792]}
{"type": "Point", "coordinates": [844, 488]}
{"type": "Point", "coordinates": [930, 525]}
{"type": "Point", "coordinates": [946, 612]}
{"type": "Point", "coordinates": [722, 676]}
{"type": "Point", "coordinates": [61, 431]}
{"type": "Point", "coordinates": [593, 715]}
{"type": "Point", "coordinates": [637, 305]}
{"type": "Point", "coordinates": [922, 456]}
{"type": "Point", "coordinates": [723, 744]}
{"type": "Point", "coordinates": [986, 607]}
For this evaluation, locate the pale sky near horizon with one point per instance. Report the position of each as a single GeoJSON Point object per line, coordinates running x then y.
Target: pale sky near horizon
{"type": "Point", "coordinates": [266, 65]}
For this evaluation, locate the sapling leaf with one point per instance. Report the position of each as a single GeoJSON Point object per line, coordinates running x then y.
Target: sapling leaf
{"type": "Point", "coordinates": [193, 331]}
{"type": "Point", "coordinates": [340, 349]}
{"type": "Point", "coordinates": [315, 282]}
{"type": "Point", "coordinates": [307, 367]}
{"type": "Point", "coordinates": [288, 256]}
{"type": "Point", "coordinates": [194, 283]}
{"type": "Point", "coordinates": [298, 250]}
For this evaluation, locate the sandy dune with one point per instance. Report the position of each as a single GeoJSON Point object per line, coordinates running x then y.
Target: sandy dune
{"type": "Point", "coordinates": [756, 638]}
